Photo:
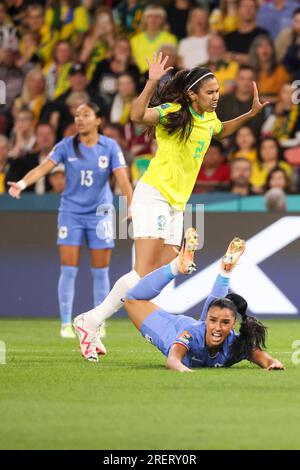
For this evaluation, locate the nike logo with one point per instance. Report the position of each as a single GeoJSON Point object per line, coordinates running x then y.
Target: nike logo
{"type": "Point", "coordinates": [72, 159]}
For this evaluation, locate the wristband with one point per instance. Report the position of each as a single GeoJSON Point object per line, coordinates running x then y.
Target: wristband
{"type": "Point", "coordinates": [22, 185]}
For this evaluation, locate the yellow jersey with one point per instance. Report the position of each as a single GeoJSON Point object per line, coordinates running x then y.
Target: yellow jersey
{"type": "Point", "coordinates": [174, 169]}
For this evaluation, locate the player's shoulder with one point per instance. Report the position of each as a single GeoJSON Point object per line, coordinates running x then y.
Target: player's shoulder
{"type": "Point", "coordinates": [170, 107]}
{"type": "Point", "coordinates": [107, 142]}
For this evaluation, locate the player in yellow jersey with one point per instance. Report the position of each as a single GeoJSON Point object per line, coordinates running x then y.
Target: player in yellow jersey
{"type": "Point", "coordinates": [182, 110]}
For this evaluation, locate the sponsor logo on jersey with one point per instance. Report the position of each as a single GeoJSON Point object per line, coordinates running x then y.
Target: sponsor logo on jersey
{"type": "Point", "coordinates": [72, 159]}
{"type": "Point", "coordinates": [103, 162]}
{"type": "Point", "coordinates": [165, 106]}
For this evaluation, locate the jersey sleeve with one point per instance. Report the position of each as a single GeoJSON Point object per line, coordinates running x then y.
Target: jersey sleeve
{"type": "Point", "coordinates": [57, 154]}
{"type": "Point", "coordinates": [218, 126]}
{"type": "Point", "coordinates": [117, 159]}
{"type": "Point", "coordinates": [167, 108]}
{"type": "Point", "coordinates": [186, 339]}
{"type": "Point", "coordinates": [220, 289]}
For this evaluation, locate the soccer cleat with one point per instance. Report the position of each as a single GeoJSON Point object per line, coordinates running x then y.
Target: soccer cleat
{"type": "Point", "coordinates": [235, 249]}
{"type": "Point", "coordinates": [89, 340]}
{"type": "Point", "coordinates": [66, 331]}
{"type": "Point", "coordinates": [186, 263]}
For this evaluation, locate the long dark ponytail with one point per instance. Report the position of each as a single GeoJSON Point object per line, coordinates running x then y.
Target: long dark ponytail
{"type": "Point", "coordinates": [175, 91]}
{"type": "Point", "coordinates": [76, 138]}
{"type": "Point", "coordinates": [252, 333]}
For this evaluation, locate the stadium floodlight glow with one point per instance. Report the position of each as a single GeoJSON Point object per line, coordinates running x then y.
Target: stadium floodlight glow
{"type": "Point", "coordinates": [248, 279]}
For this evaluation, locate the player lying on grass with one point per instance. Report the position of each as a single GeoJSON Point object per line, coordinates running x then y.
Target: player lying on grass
{"type": "Point", "coordinates": [211, 341]}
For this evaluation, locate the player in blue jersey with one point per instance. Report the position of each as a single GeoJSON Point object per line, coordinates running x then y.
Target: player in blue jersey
{"type": "Point", "coordinates": [86, 209]}
{"type": "Point", "coordinates": [211, 341]}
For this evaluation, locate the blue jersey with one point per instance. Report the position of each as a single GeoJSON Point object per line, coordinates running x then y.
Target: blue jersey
{"type": "Point", "coordinates": [164, 329]}
{"type": "Point", "coordinates": [87, 176]}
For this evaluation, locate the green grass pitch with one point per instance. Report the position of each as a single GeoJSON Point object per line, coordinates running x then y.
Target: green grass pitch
{"type": "Point", "coordinates": [50, 398]}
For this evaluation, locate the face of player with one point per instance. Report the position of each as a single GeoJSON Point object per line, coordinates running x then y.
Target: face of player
{"type": "Point", "coordinates": [86, 120]}
{"type": "Point", "coordinates": [219, 323]}
{"type": "Point", "coordinates": [207, 97]}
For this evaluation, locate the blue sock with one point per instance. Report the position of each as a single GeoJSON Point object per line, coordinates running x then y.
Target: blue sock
{"type": "Point", "coordinates": [66, 290]}
{"type": "Point", "coordinates": [152, 284]}
{"type": "Point", "coordinates": [101, 284]}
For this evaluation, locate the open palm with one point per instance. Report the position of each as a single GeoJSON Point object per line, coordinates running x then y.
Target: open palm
{"type": "Point", "coordinates": [257, 106]}
{"type": "Point", "coordinates": [157, 68]}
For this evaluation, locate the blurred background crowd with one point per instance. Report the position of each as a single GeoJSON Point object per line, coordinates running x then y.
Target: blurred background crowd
{"type": "Point", "coordinates": [56, 55]}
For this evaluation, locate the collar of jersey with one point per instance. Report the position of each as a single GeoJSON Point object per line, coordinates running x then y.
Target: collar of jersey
{"type": "Point", "coordinates": [195, 114]}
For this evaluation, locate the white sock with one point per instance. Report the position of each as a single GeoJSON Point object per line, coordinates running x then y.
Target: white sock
{"type": "Point", "coordinates": [174, 266]}
{"type": "Point", "coordinates": [112, 303]}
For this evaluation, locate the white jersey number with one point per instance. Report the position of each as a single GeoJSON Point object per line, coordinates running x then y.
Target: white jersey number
{"type": "Point", "coordinates": [86, 178]}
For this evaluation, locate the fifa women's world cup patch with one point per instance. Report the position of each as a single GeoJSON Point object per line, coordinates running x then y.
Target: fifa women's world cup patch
{"type": "Point", "coordinates": [185, 338]}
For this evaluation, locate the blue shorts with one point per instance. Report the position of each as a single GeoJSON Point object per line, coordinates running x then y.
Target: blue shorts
{"type": "Point", "coordinates": [159, 329]}
{"type": "Point", "coordinates": [97, 230]}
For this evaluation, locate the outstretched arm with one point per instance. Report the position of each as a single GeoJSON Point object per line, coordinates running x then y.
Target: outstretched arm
{"type": "Point", "coordinates": [140, 112]}
{"type": "Point", "coordinates": [30, 178]}
{"type": "Point", "coordinates": [265, 361]}
{"type": "Point", "coordinates": [230, 127]}
{"type": "Point", "coordinates": [176, 354]}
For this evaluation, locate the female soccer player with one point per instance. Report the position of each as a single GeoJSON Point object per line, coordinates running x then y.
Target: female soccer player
{"type": "Point", "coordinates": [86, 205]}
{"type": "Point", "coordinates": [183, 114]}
{"type": "Point", "coordinates": [211, 341]}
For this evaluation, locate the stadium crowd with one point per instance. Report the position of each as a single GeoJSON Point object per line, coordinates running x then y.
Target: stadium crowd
{"type": "Point", "coordinates": [56, 55]}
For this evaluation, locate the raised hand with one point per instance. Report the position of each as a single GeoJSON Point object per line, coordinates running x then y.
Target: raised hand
{"type": "Point", "coordinates": [257, 106]}
{"type": "Point", "coordinates": [157, 68]}
{"type": "Point", "coordinates": [14, 189]}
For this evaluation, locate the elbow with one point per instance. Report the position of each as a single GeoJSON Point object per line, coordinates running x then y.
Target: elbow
{"type": "Point", "coordinates": [135, 117]}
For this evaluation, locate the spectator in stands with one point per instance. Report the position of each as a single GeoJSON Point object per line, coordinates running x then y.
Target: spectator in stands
{"type": "Point", "coordinates": [240, 176]}
{"type": "Point", "coordinates": [8, 33]}
{"type": "Point", "coordinates": [270, 76]}
{"type": "Point", "coordinates": [278, 178]}
{"type": "Point", "coordinates": [177, 13]}
{"type": "Point", "coordinates": [28, 51]}
{"type": "Point", "coordinates": [244, 145]}
{"type": "Point", "coordinates": [34, 94]}
{"type": "Point", "coordinates": [288, 36]}
{"type": "Point", "coordinates": [57, 72]}
{"type": "Point", "coordinates": [34, 22]}
{"type": "Point", "coordinates": [13, 78]}
{"type": "Point", "coordinates": [239, 102]}
{"type": "Point", "coordinates": [269, 156]}
{"type": "Point", "coordinates": [224, 69]}
{"type": "Point", "coordinates": [67, 20]}
{"type": "Point", "coordinates": [192, 51]}
{"type": "Point", "coordinates": [22, 138]}
{"type": "Point", "coordinates": [225, 19]}
{"type": "Point", "coordinates": [104, 81]}
{"type": "Point", "coordinates": [3, 161]}
{"type": "Point", "coordinates": [121, 106]}
{"type": "Point", "coordinates": [239, 41]}
{"type": "Point", "coordinates": [284, 122]}
{"type": "Point", "coordinates": [45, 140]}
{"type": "Point", "coordinates": [275, 200]}
{"type": "Point", "coordinates": [128, 15]}
{"type": "Point", "coordinates": [291, 58]}
{"type": "Point", "coordinates": [214, 174]}
{"type": "Point", "coordinates": [276, 15]}
{"type": "Point", "coordinates": [57, 179]}
{"type": "Point", "coordinates": [148, 41]}
{"type": "Point", "coordinates": [57, 112]}
{"type": "Point", "coordinates": [99, 42]}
